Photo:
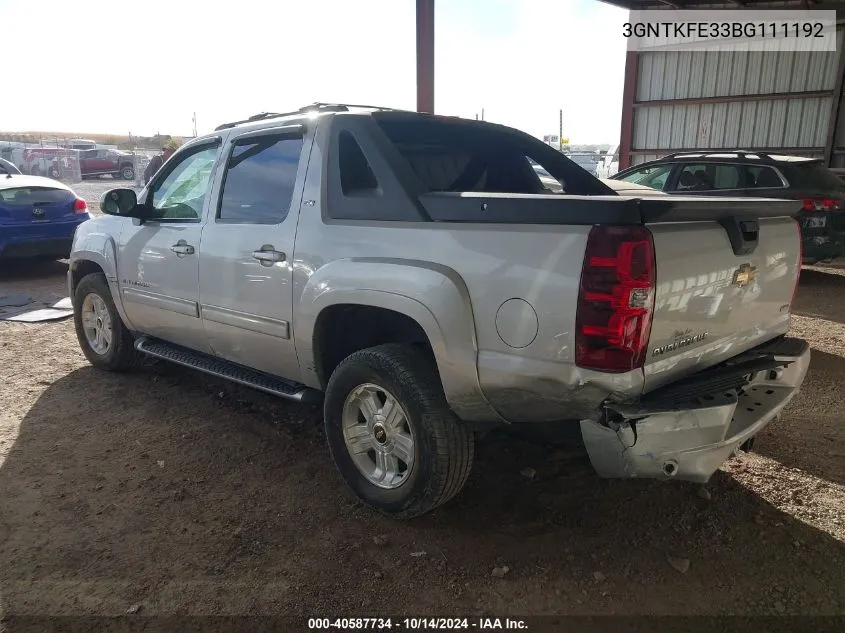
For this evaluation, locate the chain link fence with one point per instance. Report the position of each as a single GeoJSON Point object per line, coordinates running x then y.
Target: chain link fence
{"type": "Point", "coordinates": [70, 162]}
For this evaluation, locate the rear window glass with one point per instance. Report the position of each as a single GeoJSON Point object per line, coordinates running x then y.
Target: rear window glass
{"type": "Point", "coordinates": [762, 177]}
{"type": "Point", "coordinates": [455, 156]}
{"type": "Point", "coordinates": [34, 195]}
{"type": "Point", "coordinates": [814, 176]}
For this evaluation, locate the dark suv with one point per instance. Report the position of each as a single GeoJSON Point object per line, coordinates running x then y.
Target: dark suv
{"type": "Point", "coordinates": [760, 175]}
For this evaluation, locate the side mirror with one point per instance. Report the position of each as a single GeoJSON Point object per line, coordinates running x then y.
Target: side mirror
{"type": "Point", "coordinates": [119, 202]}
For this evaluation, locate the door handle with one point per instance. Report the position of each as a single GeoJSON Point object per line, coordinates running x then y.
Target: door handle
{"type": "Point", "coordinates": [182, 248]}
{"type": "Point", "coordinates": [268, 256]}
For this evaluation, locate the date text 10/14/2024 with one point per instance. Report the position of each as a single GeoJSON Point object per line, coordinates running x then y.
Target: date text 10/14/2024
{"type": "Point", "coordinates": [417, 624]}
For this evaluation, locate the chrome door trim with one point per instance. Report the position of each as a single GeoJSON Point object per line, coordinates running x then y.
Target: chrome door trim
{"type": "Point", "coordinates": [278, 328]}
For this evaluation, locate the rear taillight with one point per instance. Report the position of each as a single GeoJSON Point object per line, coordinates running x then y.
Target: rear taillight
{"type": "Point", "coordinates": [820, 204]}
{"type": "Point", "coordinates": [800, 261]}
{"type": "Point", "coordinates": [80, 206]}
{"type": "Point", "coordinates": [616, 299]}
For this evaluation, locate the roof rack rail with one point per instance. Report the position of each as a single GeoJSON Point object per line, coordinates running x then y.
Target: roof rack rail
{"type": "Point", "coordinates": [738, 152]}
{"type": "Point", "coordinates": [313, 107]}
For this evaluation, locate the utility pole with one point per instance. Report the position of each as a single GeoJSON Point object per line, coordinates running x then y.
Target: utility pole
{"type": "Point", "coordinates": [482, 114]}
{"type": "Point", "coordinates": [195, 124]}
{"type": "Point", "coordinates": [560, 133]}
{"type": "Point", "coordinates": [425, 56]}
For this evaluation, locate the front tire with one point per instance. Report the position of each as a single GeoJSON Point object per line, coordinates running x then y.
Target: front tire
{"type": "Point", "coordinates": [391, 433]}
{"type": "Point", "coordinates": [104, 339]}
{"type": "Point", "coordinates": [127, 172]}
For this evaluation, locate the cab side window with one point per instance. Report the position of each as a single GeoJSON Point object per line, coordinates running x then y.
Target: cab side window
{"type": "Point", "coordinates": [179, 193]}
{"type": "Point", "coordinates": [259, 180]}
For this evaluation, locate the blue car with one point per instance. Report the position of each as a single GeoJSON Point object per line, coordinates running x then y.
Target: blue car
{"type": "Point", "coordinates": [38, 216]}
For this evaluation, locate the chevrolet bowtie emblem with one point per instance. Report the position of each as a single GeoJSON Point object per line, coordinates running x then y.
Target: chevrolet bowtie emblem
{"type": "Point", "coordinates": [744, 275]}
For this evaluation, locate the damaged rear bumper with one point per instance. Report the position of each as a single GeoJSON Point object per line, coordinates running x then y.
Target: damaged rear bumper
{"type": "Point", "coordinates": [689, 430]}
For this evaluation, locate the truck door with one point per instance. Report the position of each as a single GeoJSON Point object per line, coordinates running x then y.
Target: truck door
{"type": "Point", "coordinates": [158, 267]}
{"type": "Point", "coordinates": [246, 259]}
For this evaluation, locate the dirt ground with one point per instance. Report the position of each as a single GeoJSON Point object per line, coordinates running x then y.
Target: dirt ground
{"type": "Point", "coordinates": [169, 493]}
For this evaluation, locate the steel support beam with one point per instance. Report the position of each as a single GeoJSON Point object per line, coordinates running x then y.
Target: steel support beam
{"type": "Point", "coordinates": [425, 56]}
{"type": "Point", "coordinates": [629, 95]}
{"type": "Point", "coordinates": [772, 96]}
{"type": "Point", "coordinates": [833, 121]}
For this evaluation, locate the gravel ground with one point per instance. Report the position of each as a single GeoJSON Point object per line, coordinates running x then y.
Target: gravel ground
{"type": "Point", "coordinates": [91, 190]}
{"type": "Point", "coordinates": [166, 492]}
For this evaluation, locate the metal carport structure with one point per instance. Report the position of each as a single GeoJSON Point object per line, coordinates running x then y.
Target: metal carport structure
{"type": "Point", "coordinates": [786, 102]}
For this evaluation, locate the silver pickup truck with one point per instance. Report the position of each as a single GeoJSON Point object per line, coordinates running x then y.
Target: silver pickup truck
{"type": "Point", "coordinates": [414, 274]}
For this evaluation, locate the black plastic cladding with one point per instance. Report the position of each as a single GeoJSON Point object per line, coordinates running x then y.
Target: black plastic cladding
{"type": "Point", "coordinates": [402, 196]}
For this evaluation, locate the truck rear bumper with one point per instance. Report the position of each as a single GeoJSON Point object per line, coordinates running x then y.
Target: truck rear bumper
{"type": "Point", "coordinates": [689, 441]}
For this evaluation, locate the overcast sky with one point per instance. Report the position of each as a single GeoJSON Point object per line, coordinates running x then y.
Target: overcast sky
{"type": "Point", "coordinates": [144, 67]}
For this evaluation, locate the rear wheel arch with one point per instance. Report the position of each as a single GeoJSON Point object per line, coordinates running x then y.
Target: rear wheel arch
{"type": "Point", "coordinates": [342, 329]}
{"type": "Point", "coordinates": [435, 297]}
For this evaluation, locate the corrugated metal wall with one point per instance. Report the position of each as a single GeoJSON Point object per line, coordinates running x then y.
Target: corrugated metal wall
{"type": "Point", "coordinates": [785, 123]}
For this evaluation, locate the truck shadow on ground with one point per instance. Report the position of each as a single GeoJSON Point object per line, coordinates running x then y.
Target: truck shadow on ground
{"type": "Point", "coordinates": [26, 269]}
{"type": "Point", "coordinates": [184, 495]}
{"type": "Point", "coordinates": [810, 434]}
{"type": "Point", "coordinates": [819, 295]}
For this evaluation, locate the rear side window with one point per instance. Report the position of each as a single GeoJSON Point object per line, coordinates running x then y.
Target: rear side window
{"type": "Point", "coordinates": [28, 196]}
{"type": "Point", "coordinates": [815, 177]}
{"type": "Point", "coordinates": [259, 180]}
{"type": "Point", "coordinates": [762, 177]}
{"type": "Point", "coordinates": [356, 175]}
{"type": "Point", "coordinates": [456, 156]}
{"type": "Point", "coordinates": [709, 177]}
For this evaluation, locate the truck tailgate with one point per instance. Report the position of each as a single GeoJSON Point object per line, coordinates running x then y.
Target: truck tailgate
{"type": "Point", "coordinates": [725, 280]}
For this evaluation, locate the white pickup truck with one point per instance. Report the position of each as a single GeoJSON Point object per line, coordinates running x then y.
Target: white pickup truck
{"type": "Point", "coordinates": [414, 273]}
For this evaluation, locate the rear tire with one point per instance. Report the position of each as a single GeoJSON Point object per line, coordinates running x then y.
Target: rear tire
{"type": "Point", "coordinates": [127, 172]}
{"type": "Point", "coordinates": [104, 339]}
{"type": "Point", "coordinates": [407, 423]}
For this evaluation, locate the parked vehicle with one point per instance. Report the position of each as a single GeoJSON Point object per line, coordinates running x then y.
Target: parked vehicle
{"type": "Point", "coordinates": [588, 161]}
{"type": "Point", "coordinates": [622, 188]}
{"type": "Point", "coordinates": [99, 162]}
{"type": "Point", "coordinates": [413, 273]}
{"type": "Point", "coordinates": [736, 173]}
{"type": "Point", "coordinates": [42, 161]}
{"type": "Point", "coordinates": [609, 163]}
{"type": "Point", "coordinates": [38, 216]}
{"type": "Point", "coordinates": [81, 143]}
{"type": "Point", "coordinates": [7, 167]}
